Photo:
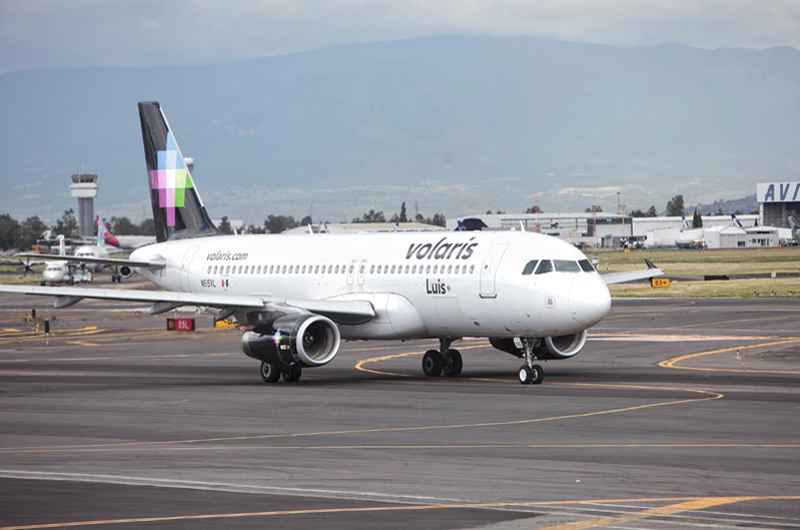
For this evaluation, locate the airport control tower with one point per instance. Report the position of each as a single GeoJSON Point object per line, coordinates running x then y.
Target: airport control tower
{"type": "Point", "coordinates": [84, 187]}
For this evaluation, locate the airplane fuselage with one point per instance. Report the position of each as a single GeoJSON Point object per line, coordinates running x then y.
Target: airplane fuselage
{"type": "Point", "coordinates": [441, 284]}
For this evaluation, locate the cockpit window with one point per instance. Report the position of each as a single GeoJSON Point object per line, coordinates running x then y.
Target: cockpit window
{"type": "Point", "coordinates": [545, 266]}
{"type": "Point", "coordinates": [586, 265]}
{"type": "Point", "coordinates": [529, 267]}
{"type": "Point", "coordinates": [563, 265]}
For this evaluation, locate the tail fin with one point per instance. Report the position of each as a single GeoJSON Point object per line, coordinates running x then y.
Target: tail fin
{"type": "Point", "coordinates": [685, 224]}
{"type": "Point", "coordinates": [178, 211]}
{"type": "Point", "coordinates": [101, 239]}
{"type": "Point", "coordinates": [108, 237]}
{"type": "Point", "coordinates": [735, 220]}
{"type": "Point", "coordinates": [62, 246]}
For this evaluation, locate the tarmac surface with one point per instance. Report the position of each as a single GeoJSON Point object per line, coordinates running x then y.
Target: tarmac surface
{"type": "Point", "coordinates": [677, 414]}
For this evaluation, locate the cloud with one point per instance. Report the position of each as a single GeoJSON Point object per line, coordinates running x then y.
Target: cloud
{"type": "Point", "coordinates": [69, 33]}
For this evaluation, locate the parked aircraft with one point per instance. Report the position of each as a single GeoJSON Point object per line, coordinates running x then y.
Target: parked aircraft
{"type": "Point", "coordinates": [90, 259]}
{"type": "Point", "coordinates": [126, 242]}
{"type": "Point", "coordinates": [58, 271]}
{"type": "Point", "coordinates": [532, 295]}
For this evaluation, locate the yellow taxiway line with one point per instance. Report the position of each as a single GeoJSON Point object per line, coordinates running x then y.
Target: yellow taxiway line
{"type": "Point", "coordinates": [683, 504]}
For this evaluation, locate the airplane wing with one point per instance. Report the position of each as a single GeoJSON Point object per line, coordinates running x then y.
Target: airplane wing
{"type": "Point", "coordinates": [102, 261]}
{"type": "Point", "coordinates": [631, 276]}
{"type": "Point", "coordinates": [20, 262]}
{"type": "Point", "coordinates": [340, 311]}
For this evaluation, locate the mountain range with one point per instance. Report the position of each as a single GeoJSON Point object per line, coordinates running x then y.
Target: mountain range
{"type": "Point", "coordinates": [454, 125]}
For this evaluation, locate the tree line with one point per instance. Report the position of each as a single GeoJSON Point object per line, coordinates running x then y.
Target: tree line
{"type": "Point", "coordinates": [24, 235]}
{"type": "Point", "coordinates": [275, 224]}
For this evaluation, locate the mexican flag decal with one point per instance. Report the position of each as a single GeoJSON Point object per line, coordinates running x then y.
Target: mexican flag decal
{"type": "Point", "coordinates": [226, 283]}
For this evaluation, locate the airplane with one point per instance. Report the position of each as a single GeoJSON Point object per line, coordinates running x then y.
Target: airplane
{"type": "Point", "coordinates": [88, 259]}
{"type": "Point", "coordinates": [534, 296]}
{"type": "Point", "coordinates": [735, 221]}
{"type": "Point", "coordinates": [126, 242]}
{"type": "Point", "coordinates": [685, 223]}
{"type": "Point", "coordinates": [58, 271]}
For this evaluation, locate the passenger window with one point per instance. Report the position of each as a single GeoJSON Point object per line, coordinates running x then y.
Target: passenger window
{"type": "Point", "coordinates": [545, 266]}
{"type": "Point", "coordinates": [407, 267]}
{"type": "Point", "coordinates": [563, 265]}
{"type": "Point", "coordinates": [471, 268]}
{"type": "Point", "coordinates": [240, 269]}
{"type": "Point", "coordinates": [529, 267]}
{"type": "Point", "coordinates": [209, 269]}
{"type": "Point", "coordinates": [435, 268]}
{"type": "Point", "coordinates": [271, 268]}
{"type": "Point", "coordinates": [361, 269]}
{"type": "Point", "coordinates": [428, 269]}
{"type": "Point", "coordinates": [227, 269]}
{"type": "Point", "coordinates": [372, 269]}
{"type": "Point", "coordinates": [414, 269]}
{"type": "Point", "coordinates": [330, 268]}
{"type": "Point", "coordinates": [215, 269]}
{"type": "Point", "coordinates": [304, 269]}
{"type": "Point", "coordinates": [337, 269]}
{"type": "Point", "coordinates": [392, 269]}
{"type": "Point", "coordinates": [351, 268]}
{"type": "Point", "coordinates": [316, 269]}
{"type": "Point", "coordinates": [586, 266]}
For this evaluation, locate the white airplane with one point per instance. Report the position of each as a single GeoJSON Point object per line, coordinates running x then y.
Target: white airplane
{"type": "Point", "coordinates": [88, 259]}
{"type": "Point", "coordinates": [532, 295]}
{"type": "Point", "coordinates": [58, 271]}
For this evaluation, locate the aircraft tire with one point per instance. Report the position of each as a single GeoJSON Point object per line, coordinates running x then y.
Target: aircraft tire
{"type": "Point", "coordinates": [291, 374]}
{"type": "Point", "coordinates": [525, 375]}
{"type": "Point", "coordinates": [432, 363]}
{"type": "Point", "coordinates": [538, 375]}
{"type": "Point", "coordinates": [270, 373]}
{"type": "Point", "coordinates": [456, 364]}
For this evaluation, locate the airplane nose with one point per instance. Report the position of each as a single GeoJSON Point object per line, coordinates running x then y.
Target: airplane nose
{"type": "Point", "coordinates": [589, 301]}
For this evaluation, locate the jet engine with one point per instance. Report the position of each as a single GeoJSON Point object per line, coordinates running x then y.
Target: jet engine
{"type": "Point", "coordinates": [125, 271]}
{"type": "Point", "coordinates": [307, 340]}
{"type": "Point", "coordinates": [552, 348]}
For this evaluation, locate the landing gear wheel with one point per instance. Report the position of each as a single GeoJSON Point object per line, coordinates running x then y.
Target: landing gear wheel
{"type": "Point", "coordinates": [291, 374]}
{"type": "Point", "coordinates": [456, 364]}
{"type": "Point", "coordinates": [525, 375]}
{"type": "Point", "coordinates": [432, 363]}
{"type": "Point", "coordinates": [270, 373]}
{"type": "Point", "coordinates": [113, 278]}
{"type": "Point", "coordinates": [538, 374]}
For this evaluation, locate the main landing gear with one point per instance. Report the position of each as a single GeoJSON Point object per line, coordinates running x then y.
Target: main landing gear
{"type": "Point", "coordinates": [530, 373]}
{"type": "Point", "coordinates": [443, 361]}
{"type": "Point", "coordinates": [270, 373]}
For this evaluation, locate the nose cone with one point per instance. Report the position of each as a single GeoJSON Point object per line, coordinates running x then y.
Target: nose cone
{"type": "Point", "coordinates": [589, 300]}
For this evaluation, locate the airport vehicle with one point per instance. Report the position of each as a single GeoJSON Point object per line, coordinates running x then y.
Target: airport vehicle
{"type": "Point", "coordinates": [533, 295]}
{"type": "Point", "coordinates": [125, 242]}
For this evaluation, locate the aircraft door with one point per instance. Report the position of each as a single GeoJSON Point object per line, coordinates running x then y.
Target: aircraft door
{"type": "Point", "coordinates": [351, 268]}
{"type": "Point", "coordinates": [362, 270]}
{"type": "Point", "coordinates": [187, 261]}
{"type": "Point", "coordinates": [489, 270]}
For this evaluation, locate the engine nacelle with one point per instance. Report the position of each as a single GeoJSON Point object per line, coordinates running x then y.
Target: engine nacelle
{"type": "Point", "coordinates": [125, 271]}
{"type": "Point", "coordinates": [308, 340]}
{"type": "Point", "coordinates": [562, 347]}
{"type": "Point", "coordinates": [552, 348]}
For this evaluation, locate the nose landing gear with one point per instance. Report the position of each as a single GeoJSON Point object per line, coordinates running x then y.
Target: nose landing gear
{"type": "Point", "coordinates": [443, 361]}
{"type": "Point", "coordinates": [530, 373]}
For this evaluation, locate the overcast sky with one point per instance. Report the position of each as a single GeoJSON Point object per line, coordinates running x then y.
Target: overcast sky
{"type": "Point", "coordinates": [72, 33]}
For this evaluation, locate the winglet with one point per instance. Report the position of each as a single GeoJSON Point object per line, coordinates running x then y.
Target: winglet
{"type": "Point", "coordinates": [649, 264]}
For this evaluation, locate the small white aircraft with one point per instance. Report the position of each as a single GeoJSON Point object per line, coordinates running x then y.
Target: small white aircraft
{"type": "Point", "coordinates": [58, 271]}
{"type": "Point", "coordinates": [87, 259]}
{"type": "Point", "coordinates": [533, 296]}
